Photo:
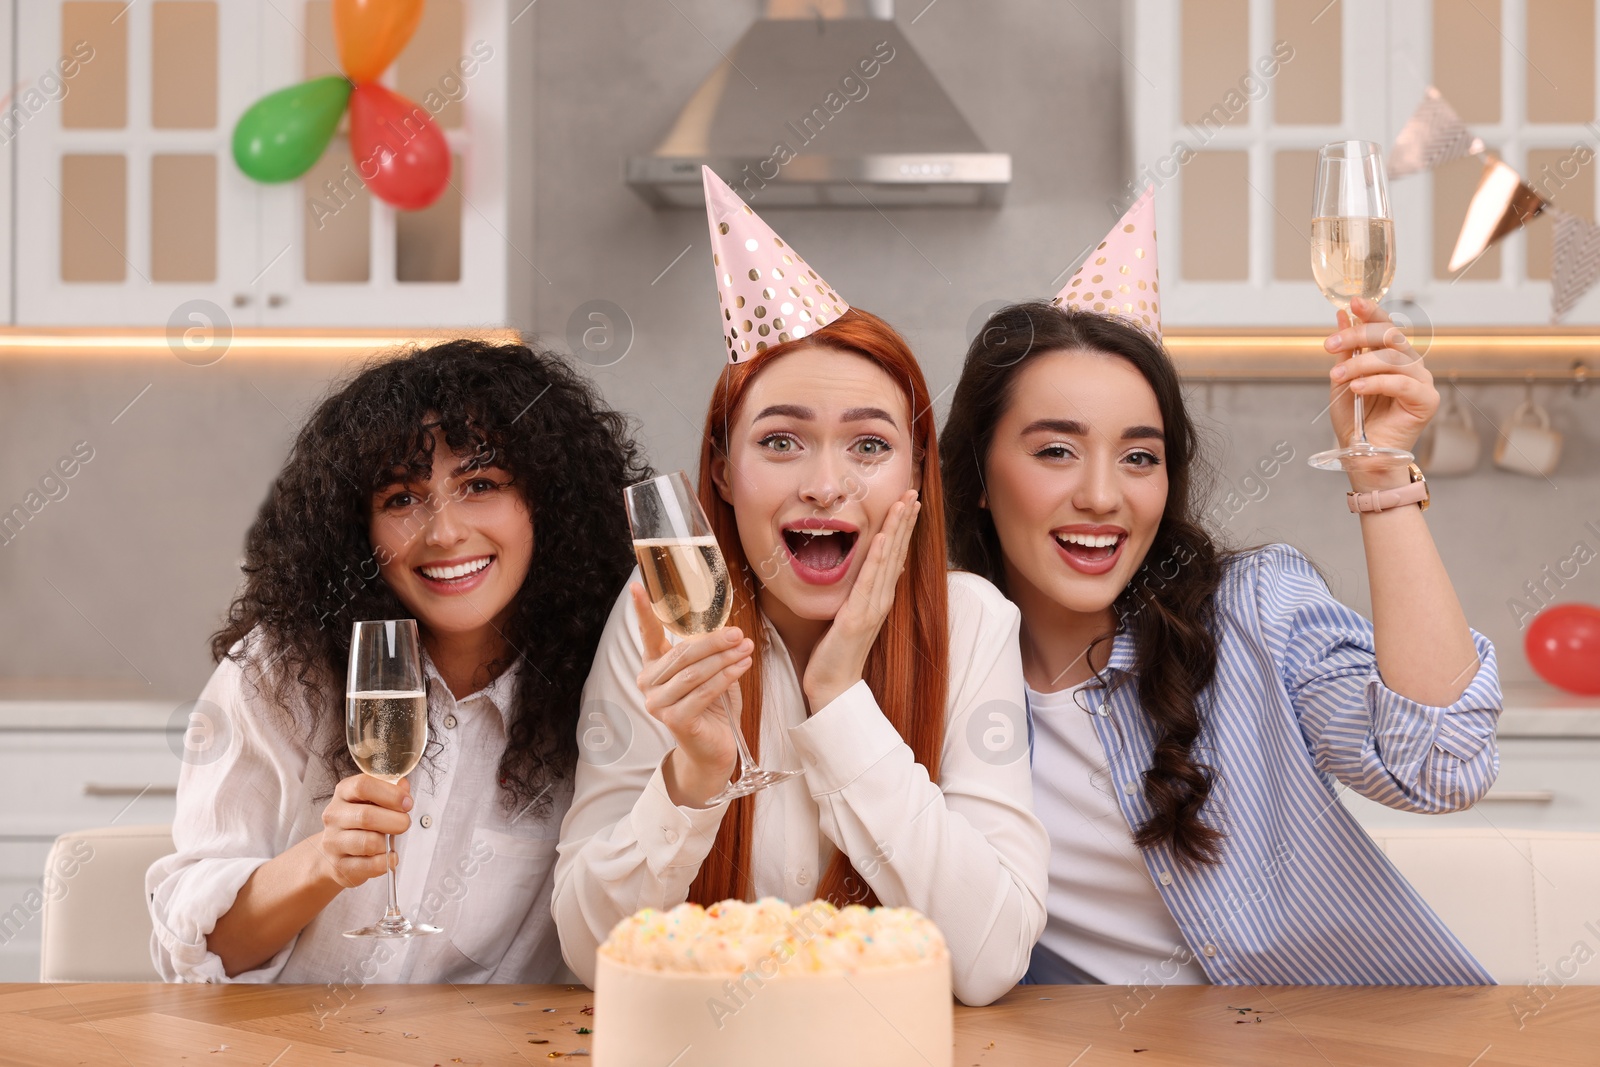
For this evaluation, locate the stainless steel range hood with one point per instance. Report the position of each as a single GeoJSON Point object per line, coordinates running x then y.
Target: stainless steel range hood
{"type": "Point", "coordinates": [823, 112]}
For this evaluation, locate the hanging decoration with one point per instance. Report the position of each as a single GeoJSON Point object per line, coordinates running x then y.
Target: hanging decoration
{"type": "Point", "coordinates": [1432, 137]}
{"type": "Point", "coordinates": [1577, 262]}
{"type": "Point", "coordinates": [398, 150]}
{"type": "Point", "coordinates": [1503, 203]}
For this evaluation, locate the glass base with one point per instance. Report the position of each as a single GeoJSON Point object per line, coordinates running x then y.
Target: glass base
{"type": "Point", "coordinates": [750, 783]}
{"type": "Point", "coordinates": [1361, 457]}
{"type": "Point", "coordinates": [395, 928]}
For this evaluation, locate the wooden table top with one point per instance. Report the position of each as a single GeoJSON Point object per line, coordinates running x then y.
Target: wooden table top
{"type": "Point", "coordinates": [1059, 1026]}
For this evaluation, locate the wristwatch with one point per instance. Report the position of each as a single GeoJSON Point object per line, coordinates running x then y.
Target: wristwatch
{"type": "Point", "coordinates": [1384, 499]}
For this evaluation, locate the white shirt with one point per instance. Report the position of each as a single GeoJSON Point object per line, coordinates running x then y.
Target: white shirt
{"type": "Point", "coordinates": [1106, 916]}
{"type": "Point", "coordinates": [468, 865]}
{"type": "Point", "coordinates": [966, 852]}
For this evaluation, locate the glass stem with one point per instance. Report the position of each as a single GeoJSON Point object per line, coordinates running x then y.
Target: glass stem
{"type": "Point", "coordinates": [1359, 409]}
{"type": "Point", "coordinates": [394, 901]}
{"type": "Point", "coordinates": [746, 764]}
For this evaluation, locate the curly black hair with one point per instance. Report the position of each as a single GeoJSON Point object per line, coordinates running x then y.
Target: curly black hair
{"type": "Point", "coordinates": [310, 568]}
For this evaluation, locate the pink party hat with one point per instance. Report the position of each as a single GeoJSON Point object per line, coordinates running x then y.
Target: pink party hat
{"type": "Point", "coordinates": [767, 293]}
{"type": "Point", "coordinates": [1120, 277]}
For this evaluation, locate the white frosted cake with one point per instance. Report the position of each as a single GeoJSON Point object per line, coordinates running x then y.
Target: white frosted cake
{"type": "Point", "coordinates": [767, 985]}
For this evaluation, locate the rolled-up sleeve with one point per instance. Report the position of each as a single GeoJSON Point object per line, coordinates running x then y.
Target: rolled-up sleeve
{"type": "Point", "coordinates": [624, 844]}
{"type": "Point", "coordinates": [1385, 746]}
{"type": "Point", "coordinates": [968, 851]}
{"type": "Point", "coordinates": [235, 812]}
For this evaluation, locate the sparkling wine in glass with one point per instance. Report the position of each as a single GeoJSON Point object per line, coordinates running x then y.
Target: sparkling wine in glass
{"type": "Point", "coordinates": [689, 588]}
{"type": "Point", "coordinates": [1352, 254]}
{"type": "Point", "coordinates": [386, 727]}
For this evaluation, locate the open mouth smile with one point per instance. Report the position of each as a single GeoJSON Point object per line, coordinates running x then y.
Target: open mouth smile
{"type": "Point", "coordinates": [820, 550]}
{"type": "Point", "coordinates": [1090, 549]}
{"type": "Point", "coordinates": [455, 576]}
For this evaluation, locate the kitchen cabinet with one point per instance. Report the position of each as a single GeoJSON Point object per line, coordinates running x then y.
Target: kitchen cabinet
{"type": "Point", "coordinates": [9, 118]}
{"type": "Point", "coordinates": [70, 767]}
{"type": "Point", "coordinates": [1229, 101]}
{"type": "Point", "coordinates": [131, 211]}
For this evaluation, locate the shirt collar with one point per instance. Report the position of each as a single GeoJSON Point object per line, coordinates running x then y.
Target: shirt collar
{"type": "Point", "coordinates": [1122, 652]}
{"type": "Point", "coordinates": [500, 693]}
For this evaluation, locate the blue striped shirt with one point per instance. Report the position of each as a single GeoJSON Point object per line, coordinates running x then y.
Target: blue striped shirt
{"type": "Point", "coordinates": [1302, 896]}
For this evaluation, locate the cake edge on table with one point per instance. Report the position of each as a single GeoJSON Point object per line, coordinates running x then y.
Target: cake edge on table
{"type": "Point", "coordinates": [767, 983]}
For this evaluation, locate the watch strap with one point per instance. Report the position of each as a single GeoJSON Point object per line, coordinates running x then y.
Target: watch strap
{"type": "Point", "coordinates": [1384, 499]}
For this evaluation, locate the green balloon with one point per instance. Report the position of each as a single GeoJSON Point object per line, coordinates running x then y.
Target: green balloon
{"type": "Point", "coordinates": [284, 133]}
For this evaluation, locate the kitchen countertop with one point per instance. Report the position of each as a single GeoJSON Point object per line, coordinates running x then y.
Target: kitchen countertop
{"type": "Point", "coordinates": [1530, 711]}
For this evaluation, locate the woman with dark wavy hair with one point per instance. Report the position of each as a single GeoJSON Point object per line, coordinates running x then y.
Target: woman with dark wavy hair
{"type": "Point", "coordinates": [477, 489]}
{"type": "Point", "coordinates": [1193, 708]}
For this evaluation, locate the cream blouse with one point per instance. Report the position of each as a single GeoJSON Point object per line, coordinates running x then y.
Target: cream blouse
{"type": "Point", "coordinates": [967, 852]}
{"type": "Point", "coordinates": [467, 864]}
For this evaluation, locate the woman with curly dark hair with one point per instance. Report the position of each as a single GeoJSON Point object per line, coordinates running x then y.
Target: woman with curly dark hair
{"type": "Point", "coordinates": [475, 488]}
{"type": "Point", "coordinates": [1192, 708]}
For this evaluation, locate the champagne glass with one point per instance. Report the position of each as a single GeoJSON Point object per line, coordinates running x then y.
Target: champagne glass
{"type": "Point", "coordinates": [689, 588]}
{"type": "Point", "coordinates": [1352, 254]}
{"type": "Point", "coordinates": [386, 727]}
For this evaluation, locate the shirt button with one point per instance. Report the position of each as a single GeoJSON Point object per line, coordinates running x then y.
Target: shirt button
{"type": "Point", "coordinates": [1166, 879]}
{"type": "Point", "coordinates": [1105, 709]}
{"type": "Point", "coordinates": [1210, 950]}
{"type": "Point", "coordinates": [670, 835]}
{"type": "Point", "coordinates": [426, 821]}
{"type": "Point", "coordinates": [803, 877]}
{"type": "Point", "coordinates": [450, 722]}
{"type": "Point", "coordinates": [1129, 788]}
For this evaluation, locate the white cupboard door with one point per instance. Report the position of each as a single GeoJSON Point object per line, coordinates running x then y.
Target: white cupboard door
{"type": "Point", "coordinates": [129, 208]}
{"type": "Point", "coordinates": [10, 117]}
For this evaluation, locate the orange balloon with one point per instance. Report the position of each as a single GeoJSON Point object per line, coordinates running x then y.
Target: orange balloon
{"type": "Point", "coordinates": [371, 33]}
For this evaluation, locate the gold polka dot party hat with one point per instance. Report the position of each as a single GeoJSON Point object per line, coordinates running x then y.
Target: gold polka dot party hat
{"type": "Point", "coordinates": [1120, 277]}
{"type": "Point", "coordinates": [766, 293]}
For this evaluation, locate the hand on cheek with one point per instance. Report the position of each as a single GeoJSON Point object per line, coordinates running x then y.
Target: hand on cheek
{"type": "Point", "coordinates": [840, 657]}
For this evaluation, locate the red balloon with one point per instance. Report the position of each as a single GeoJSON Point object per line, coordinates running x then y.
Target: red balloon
{"type": "Point", "coordinates": [399, 150]}
{"type": "Point", "coordinates": [1563, 644]}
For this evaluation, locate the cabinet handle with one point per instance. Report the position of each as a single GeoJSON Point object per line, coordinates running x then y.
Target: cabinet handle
{"type": "Point", "coordinates": [276, 300]}
{"type": "Point", "coordinates": [95, 789]}
{"type": "Point", "coordinates": [1528, 796]}
{"type": "Point", "coordinates": [241, 300]}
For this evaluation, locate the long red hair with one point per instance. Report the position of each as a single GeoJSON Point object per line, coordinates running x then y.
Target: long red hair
{"type": "Point", "coordinates": [906, 669]}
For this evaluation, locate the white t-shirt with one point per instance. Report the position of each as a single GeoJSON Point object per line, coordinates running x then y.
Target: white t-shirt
{"type": "Point", "coordinates": [1106, 916]}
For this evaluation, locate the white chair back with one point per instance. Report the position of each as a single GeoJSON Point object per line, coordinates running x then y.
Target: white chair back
{"type": "Point", "coordinates": [96, 921]}
{"type": "Point", "coordinates": [1525, 902]}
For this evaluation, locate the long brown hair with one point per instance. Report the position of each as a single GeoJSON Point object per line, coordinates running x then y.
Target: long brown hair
{"type": "Point", "coordinates": [907, 667]}
{"type": "Point", "coordinates": [1170, 616]}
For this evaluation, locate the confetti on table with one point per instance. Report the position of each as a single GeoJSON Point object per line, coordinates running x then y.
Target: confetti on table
{"type": "Point", "coordinates": [583, 1030]}
{"type": "Point", "coordinates": [220, 1048]}
{"type": "Point", "coordinates": [519, 1003]}
{"type": "Point", "coordinates": [547, 1011]}
{"type": "Point", "coordinates": [588, 1009]}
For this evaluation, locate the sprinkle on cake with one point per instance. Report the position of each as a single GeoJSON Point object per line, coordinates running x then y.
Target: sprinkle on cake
{"type": "Point", "coordinates": [769, 936]}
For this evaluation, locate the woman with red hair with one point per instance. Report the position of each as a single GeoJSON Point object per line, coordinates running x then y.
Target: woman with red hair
{"type": "Point", "coordinates": [852, 654]}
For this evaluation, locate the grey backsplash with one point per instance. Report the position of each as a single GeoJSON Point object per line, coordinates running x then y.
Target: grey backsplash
{"type": "Point", "coordinates": [123, 579]}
